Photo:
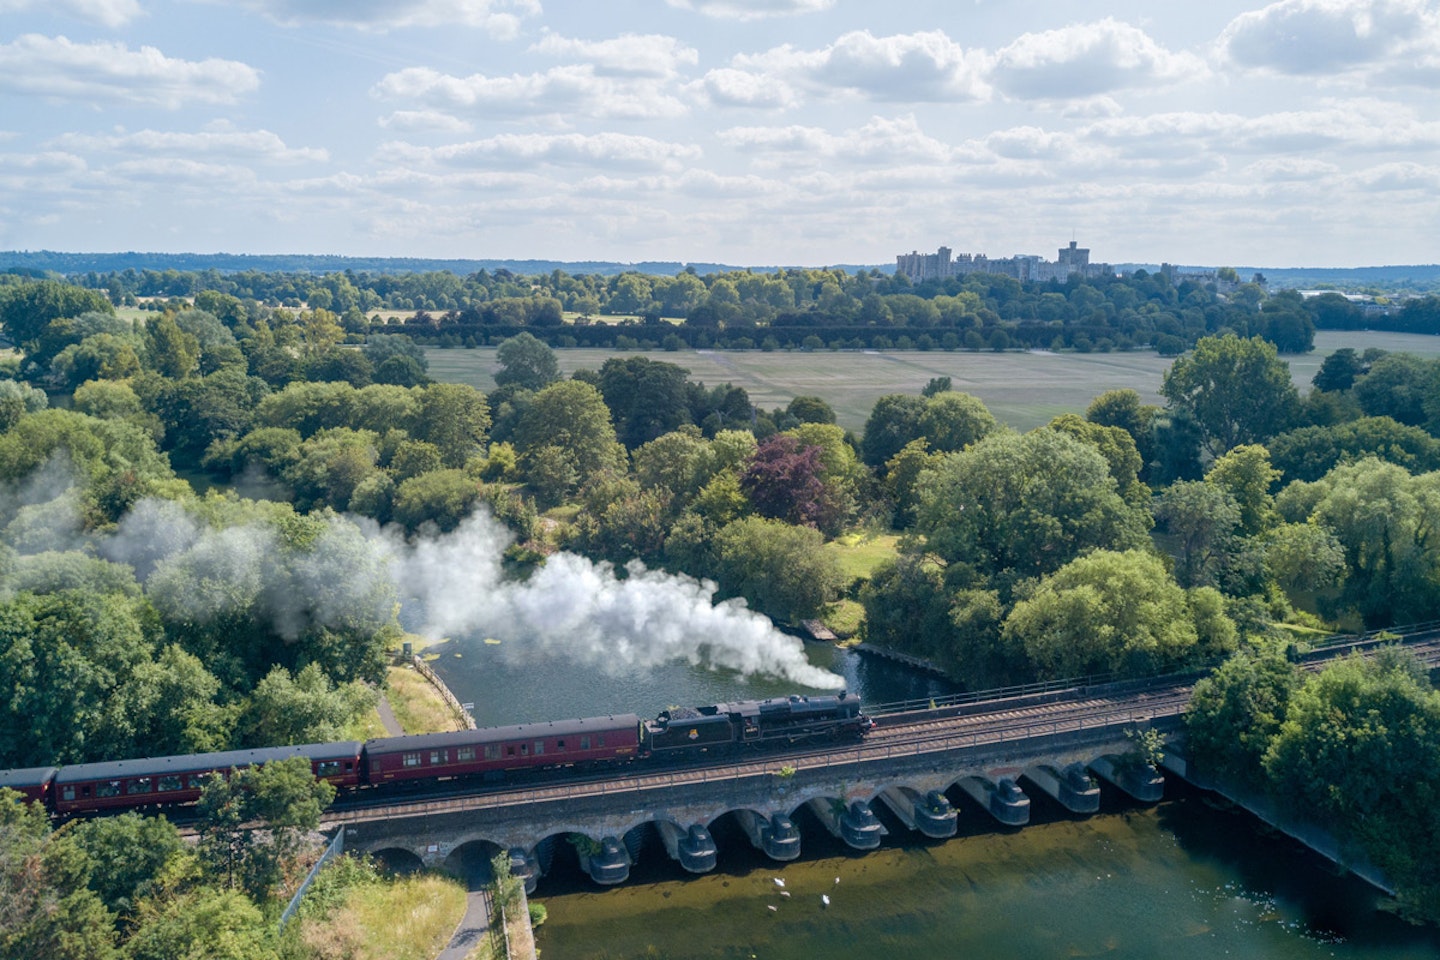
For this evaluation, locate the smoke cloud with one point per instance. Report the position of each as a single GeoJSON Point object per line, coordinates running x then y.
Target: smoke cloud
{"type": "Point", "coordinates": [571, 609]}
{"type": "Point", "coordinates": [575, 609]}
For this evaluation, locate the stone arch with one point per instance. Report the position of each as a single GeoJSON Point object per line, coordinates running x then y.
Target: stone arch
{"type": "Point", "coordinates": [398, 860]}
{"type": "Point", "coordinates": [470, 861]}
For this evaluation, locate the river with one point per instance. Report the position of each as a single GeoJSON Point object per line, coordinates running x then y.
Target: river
{"type": "Point", "coordinates": [1184, 879]}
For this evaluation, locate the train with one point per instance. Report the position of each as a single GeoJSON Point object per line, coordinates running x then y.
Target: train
{"type": "Point", "coordinates": [491, 754]}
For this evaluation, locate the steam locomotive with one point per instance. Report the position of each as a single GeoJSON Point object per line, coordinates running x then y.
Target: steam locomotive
{"type": "Point", "coordinates": [490, 753]}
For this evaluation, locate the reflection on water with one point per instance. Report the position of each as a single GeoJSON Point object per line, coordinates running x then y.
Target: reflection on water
{"type": "Point", "coordinates": [1177, 881]}
{"type": "Point", "coordinates": [504, 692]}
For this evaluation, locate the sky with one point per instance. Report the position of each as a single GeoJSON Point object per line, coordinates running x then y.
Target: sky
{"type": "Point", "coordinates": [753, 132]}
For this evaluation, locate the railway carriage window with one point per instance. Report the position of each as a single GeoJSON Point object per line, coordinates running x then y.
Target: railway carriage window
{"type": "Point", "coordinates": [584, 743]}
{"type": "Point", "coordinates": [492, 751]}
{"type": "Point", "coordinates": [195, 781]}
{"type": "Point", "coordinates": [410, 759]}
{"type": "Point", "coordinates": [539, 747]}
{"type": "Point", "coordinates": [439, 756]}
{"type": "Point", "coordinates": [510, 751]}
{"type": "Point", "coordinates": [524, 749]}
{"type": "Point", "coordinates": [67, 793]}
{"type": "Point", "coordinates": [600, 740]}
{"type": "Point", "coordinates": [462, 754]}
{"type": "Point", "coordinates": [327, 768]}
{"type": "Point", "coordinates": [138, 785]}
{"type": "Point", "coordinates": [559, 745]}
{"type": "Point", "coordinates": [169, 784]}
{"type": "Point", "coordinates": [109, 788]}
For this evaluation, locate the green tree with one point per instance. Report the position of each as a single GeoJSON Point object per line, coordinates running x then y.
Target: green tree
{"type": "Point", "coordinates": [1239, 391]}
{"type": "Point", "coordinates": [441, 497]}
{"type": "Point", "coordinates": [252, 822]}
{"type": "Point", "coordinates": [1397, 386]}
{"type": "Point", "coordinates": [455, 418]}
{"type": "Point", "coordinates": [894, 421]}
{"type": "Point", "coordinates": [952, 421]}
{"type": "Point", "coordinates": [647, 398]}
{"type": "Point", "coordinates": [204, 924]}
{"type": "Point", "coordinates": [129, 856]}
{"type": "Point", "coordinates": [1236, 712]}
{"type": "Point", "coordinates": [27, 308]}
{"type": "Point", "coordinates": [527, 363]}
{"type": "Point", "coordinates": [810, 409]}
{"type": "Point", "coordinates": [1022, 505]}
{"type": "Point", "coordinates": [307, 707]}
{"type": "Point", "coordinates": [1202, 519]}
{"type": "Point", "coordinates": [780, 569]}
{"type": "Point", "coordinates": [170, 351]}
{"type": "Point", "coordinates": [47, 911]}
{"type": "Point", "coordinates": [569, 417]}
{"type": "Point", "coordinates": [1124, 409]}
{"type": "Point", "coordinates": [1111, 612]}
{"type": "Point", "coordinates": [1245, 473]}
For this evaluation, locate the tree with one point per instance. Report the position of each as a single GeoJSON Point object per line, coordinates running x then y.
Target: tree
{"type": "Point", "coordinates": [1237, 711]}
{"type": "Point", "coordinates": [1116, 446]}
{"type": "Point", "coordinates": [441, 497]}
{"type": "Point", "coordinates": [1311, 452]}
{"type": "Point", "coordinates": [902, 475]}
{"type": "Point", "coordinates": [18, 399]}
{"type": "Point", "coordinates": [1125, 410]}
{"type": "Point", "coordinates": [783, 482]}
{"type": "Point", "coordinates": [47, 911]}
{"type": "Point", "coordinates": [1239, 391]}
{"type": "Point", "coordinates": [1339, 371]}
{"type": "Point", "coordinates": [252, 821]}
{"type": "Point", "coordinates": [569, 417]}
{"type": "Point", "coordinates": [307, 707]}
{"type": "Point", "coordinates": [894, 421]}
{"type": "Point", "coordinates": [170, 351]}
{"type": "Point", "coordinates": [1245, 473]}
{"type": "Point", "coordinates": [646, 398]}
{"type": "Point", "coordinates": [780, 569]}
{"type": "Point", "coordinates": [1345, 734]}
{"type": "Point", "coordinates": [26, 308]}
{"type": "Point", "coordinates": [527, 363]}
{"type": "Point", "coordinates": [380, 347]}
{"type": "Point", "coordinates": [810, 409]}
{"type": "Point", "coordinates": [1397, 386]}
{"type": "Point", "coordinates": [1111, 612]}
{"type": "Point", "coordinates": [952, 421]}
{"type": "Point", "coordinates": [455, 418]}
{"type": "Point", "coordinates": [1202, 519]}
{"type": "Point", "coordinates": [128, 854]}
{"type": "Point", "coordinates": [1023, 505]}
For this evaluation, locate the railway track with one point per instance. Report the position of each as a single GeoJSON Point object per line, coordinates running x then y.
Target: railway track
{"type": "Point", "coordinates": [970, 724]}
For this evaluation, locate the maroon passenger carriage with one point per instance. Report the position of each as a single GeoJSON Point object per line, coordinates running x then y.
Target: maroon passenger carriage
{"type": "Point", "coordinates": [165, 780]}
{"type": "Point", "coordinates": [32, 783]}
{"type": "Point", "coordinates": [497, 749]}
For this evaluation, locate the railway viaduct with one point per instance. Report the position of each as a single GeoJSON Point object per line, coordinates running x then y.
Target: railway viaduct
{"type": "Point", "coordinates": [997, 752]}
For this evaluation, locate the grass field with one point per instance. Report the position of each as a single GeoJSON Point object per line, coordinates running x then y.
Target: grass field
{"type": "Point", "coordinates": [417, 704]}
{"type": "Point", "coordinates": [1024, 390]}
{"type": "Point", "coordinates": [409, 918]}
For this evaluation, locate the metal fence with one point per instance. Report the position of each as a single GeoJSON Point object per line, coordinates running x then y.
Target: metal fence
{"type": "Point", "coordinates": [337, 847]}
{"type": "Point", "coordinates": [459, 708]}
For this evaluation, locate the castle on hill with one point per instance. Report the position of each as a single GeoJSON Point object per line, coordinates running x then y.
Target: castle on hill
{"type": "Point", "coordinates": [943, 264]}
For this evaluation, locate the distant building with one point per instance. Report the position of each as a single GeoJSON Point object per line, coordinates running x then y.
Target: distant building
{"type": "Point", "coordinates": [943, 264]}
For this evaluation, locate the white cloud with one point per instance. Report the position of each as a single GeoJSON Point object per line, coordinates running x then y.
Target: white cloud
{"type": "Point", "coordinates": [882, 141]}
{"type": "Point", "coordinates": [107, 13]}
{"type": "Point", "coordinates": [49, 163]}
{"type": "Point", "coordinates": [727, 87]}
{"type": "Point", "coordinates": [524, 150]}
{"type": "Point", "coordinates": [1085, 60]}
{"type": "Point", "coordinates": [237, 144]}
{"type": "Point", "coordinates": [171, 172]}
{"type": "Point", "coordinates": [566, 90]}
{"type": "Point", "coordinates": [1399, 176]}
{"type": "Point", "coordinates": [1297, 169]}
{"type": "Point", "coordinates": [424, 121]}
{"type": "Point", "coordinates": [752, 9]}
{"type": "Point", "coordinates": [1323, 37]}
{"type": "Point", "coordinates": [630, 54]}
{"type": "Point", "coordinates": [56, 68]}
{"type": "Point", "coordinates": [500, 18]}
{"type": "Point", "coordinates": [913, 67]}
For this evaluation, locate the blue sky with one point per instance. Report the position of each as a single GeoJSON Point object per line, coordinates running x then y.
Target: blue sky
{"type": "Point", "coordinates": [1303, 132]}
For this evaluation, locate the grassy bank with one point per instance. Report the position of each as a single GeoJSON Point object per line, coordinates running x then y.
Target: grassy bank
{"type": "Point", "coordinates": [404, 918]}
{"type": "Point", "coordinates": [417, 704]}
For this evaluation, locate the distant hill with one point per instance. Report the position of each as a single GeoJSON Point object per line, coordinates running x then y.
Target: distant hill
{"type": "Point", "coordinates": [73, 263]}
{"type": "Point", "coordinates": [1402, 277]}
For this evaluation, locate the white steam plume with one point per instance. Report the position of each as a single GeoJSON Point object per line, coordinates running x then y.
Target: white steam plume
{"type": "Point", "coordinates": [581, 611]}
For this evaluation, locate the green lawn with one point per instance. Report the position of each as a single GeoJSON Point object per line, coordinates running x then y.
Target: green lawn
{"type": "Point", "coordinates": [1024, 390]}
{"type": "Point", "coordinates": [860, 554]}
